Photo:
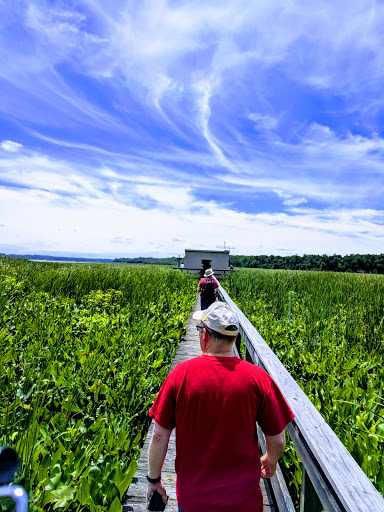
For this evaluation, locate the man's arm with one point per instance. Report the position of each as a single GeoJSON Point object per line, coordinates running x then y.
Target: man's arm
{"type": "Point", "coordinates": [156, 455]}
{"type": "Point", "coordinates": [275, 446]}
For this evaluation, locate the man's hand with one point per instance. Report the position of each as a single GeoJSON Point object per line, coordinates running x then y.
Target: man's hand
{"type": "Point", "coordinates": [268, 469]}
{"type": "Point", "coordinates": [275, 446]}
{"type": "Point", "coordinates": [159, 487]}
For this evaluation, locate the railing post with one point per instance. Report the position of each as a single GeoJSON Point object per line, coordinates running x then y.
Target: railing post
{"type": "Point", "coordinates": [309, 501]}
{"type": "Point", "coordinates": [248, 356]}
{"type": "Point", "coordinates": [238, 343]}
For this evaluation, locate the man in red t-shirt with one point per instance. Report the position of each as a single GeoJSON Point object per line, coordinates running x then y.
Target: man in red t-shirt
{"type": "Point", "coordinates": [214, 401]}
{"type": "Point", "coordinates": [208, 288]}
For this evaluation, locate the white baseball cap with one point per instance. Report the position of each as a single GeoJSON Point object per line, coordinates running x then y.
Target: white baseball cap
{"type": "Point", "coordinates": [219, 317]}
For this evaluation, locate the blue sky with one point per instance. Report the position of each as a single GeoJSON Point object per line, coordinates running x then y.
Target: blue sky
{"type": "Point", "coordinates": [138, 128]}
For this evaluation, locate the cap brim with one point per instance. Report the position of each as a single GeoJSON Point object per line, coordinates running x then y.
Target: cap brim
{"type": "Point", "coordinates": [198, 315]}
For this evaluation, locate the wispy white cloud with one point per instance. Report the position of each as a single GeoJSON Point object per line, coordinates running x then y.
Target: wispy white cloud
{"type": "Point", "coordinates": [40, 173]}
{"type": "Point", "coordinates": [263, 121]}
{"type": "Point", "coordinates": [295, 201]}
{"type": "Point", "coordinates": [9, 145]}
{"type": "Point", "coordinates": [171, 196]}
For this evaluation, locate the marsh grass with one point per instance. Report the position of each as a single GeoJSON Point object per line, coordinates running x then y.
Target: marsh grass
{"type": "Point", "coordinates": [84, 350]}
{"type": "Point", "coordinates": [333, 347]}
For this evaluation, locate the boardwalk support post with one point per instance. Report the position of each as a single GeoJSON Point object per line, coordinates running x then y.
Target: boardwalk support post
{"type": "Point", "coordinates": [238, 344]}
{"type": "Point", "coordinates": [309, 501]}
{"type": "Point", "coordinates": [248, 356]}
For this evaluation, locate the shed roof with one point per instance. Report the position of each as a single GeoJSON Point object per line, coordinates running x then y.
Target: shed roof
{"type": "Point", "coordinates": [226, 251]}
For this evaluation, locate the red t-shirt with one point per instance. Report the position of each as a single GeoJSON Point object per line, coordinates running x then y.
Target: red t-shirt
{"type": "Point", "coordinates": [214, 403]}
{"type": "Point", "coordinates": [202, 284]}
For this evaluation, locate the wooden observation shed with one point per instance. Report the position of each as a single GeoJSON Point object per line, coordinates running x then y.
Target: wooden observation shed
{"type": "Point", "coordinates": [198, 260]}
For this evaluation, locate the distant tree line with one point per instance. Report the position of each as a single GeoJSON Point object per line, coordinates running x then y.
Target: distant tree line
{"type": "Point", "coordinates": [365, 263]}
{"type": "Point", "coordinates": [148, 261]}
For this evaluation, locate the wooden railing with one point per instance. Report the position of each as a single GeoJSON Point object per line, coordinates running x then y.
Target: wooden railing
{"type": "Point", "coordinates": [332, 480]}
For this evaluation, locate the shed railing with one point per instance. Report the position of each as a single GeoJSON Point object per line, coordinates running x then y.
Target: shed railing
{"type": "Point", "coordinates": [332, 480]}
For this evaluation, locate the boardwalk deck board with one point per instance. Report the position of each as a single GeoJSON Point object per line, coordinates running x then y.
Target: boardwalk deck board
{"type": "Point", "coordinates": [189, 348]}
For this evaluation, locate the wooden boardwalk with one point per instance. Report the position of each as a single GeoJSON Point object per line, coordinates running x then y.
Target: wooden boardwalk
{"type": "Point", "coordinates": [189, 348]}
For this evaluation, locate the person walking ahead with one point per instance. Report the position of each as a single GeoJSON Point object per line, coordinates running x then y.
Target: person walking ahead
{"type": "Point", "coordinates": [214, 401]}
{"type": "Point", "coordinates": [208, 288]}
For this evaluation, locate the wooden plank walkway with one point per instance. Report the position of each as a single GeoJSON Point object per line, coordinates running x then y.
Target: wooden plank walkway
{"type": "Point", "coordinates": [189, 348]}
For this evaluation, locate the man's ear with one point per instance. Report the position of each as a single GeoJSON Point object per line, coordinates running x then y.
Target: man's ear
{"type": "Point", "coordinates": [205, 338]}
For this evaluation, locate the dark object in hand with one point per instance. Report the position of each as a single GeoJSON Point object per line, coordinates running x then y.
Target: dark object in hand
{"type": "Point", "coordinates": [156, 502]}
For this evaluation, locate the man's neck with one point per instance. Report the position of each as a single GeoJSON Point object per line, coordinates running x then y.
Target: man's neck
{"type": "Point", "coordinates": [227, 353]}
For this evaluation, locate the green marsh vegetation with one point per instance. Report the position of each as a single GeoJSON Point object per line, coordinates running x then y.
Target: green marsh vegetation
{"type": "Point", "coordinates": [84, 350]}
{"type": "Point", "coordinates": [333, 346]}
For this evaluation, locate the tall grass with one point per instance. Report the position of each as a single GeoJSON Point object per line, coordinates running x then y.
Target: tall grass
{"type": "Point", "coordinates": [333, 347]}
{"type": "Point", "coordinates": [322, 296]}
{"type": "Point", "coordinates": [84, 349]}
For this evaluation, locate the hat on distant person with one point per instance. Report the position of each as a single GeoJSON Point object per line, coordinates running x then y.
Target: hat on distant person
{"type": "Point", "coordinates": [208, 272]}
{"type": "Point", "coordinates": [219, 317]}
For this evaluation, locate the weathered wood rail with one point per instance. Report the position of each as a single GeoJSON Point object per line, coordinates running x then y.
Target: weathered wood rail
{"type": "Point", "coordinates": [333, 481]}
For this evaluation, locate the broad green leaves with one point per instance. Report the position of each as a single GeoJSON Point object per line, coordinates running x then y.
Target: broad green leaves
{"type": "Point", "coordinates": [84, 349]}
{"type": "Point", "coordinates": [333, 347]}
